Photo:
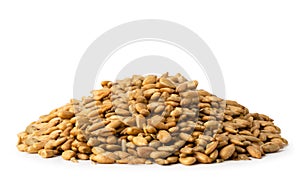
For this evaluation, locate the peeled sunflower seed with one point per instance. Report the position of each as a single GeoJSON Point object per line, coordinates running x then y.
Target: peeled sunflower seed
{"type": "Point", "coordinates": [146, 119]}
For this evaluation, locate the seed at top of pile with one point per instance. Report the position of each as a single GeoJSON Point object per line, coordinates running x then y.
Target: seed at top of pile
{"type": "Point", "coordinates": [151, 119]}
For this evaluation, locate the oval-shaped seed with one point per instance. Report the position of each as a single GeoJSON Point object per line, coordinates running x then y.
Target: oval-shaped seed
{"type": "Point", "coordinates": [270, 147]}
{"type": "Point", "coordinates": [144, 152]}
{"type": "Point", "coordinates": [242, 157]}
{"type": "Point", "coordinates": [122, 112]}
{"type": "Point", "coordinates": [236, 142]}
{"type": "Point", "coordinates": [202, 158]}
{"type": "Point", "coordinates": [121, 154]}
{"type": "Point", "coordinates": [150, 79]}
{"type": "Point", "coordinates": [47, 153]}
{"type": "Point", "coordinates": [159, 154]}
{"type": "Point", "coordinates": [161, 161]}
{"type": "Point", "coordinates": [132, 130]}
{"type": "Point", "coordinates": [251, 138]}
{"type": "Point", "coordinates": [140, 141]}
{"type": "Point", "coordinates": [185, 136]}
{"type": "Point", "coordinates": [172, 159]}
{"type": "Point", "coordinates": [100, 94]}
{"type": "Point", "coordinates": [22, 147]}
{"type": "Point", "coordinates": [140, 106]}
{"type": "Point", "coordinates": [211, 147]}
{"type": "Point", "coordinates": [97, 150]}
{"type": "Point", "coordinates": [148, 93]}
{"type": "Point", "coordinates": [137, 161]}
{"type": "Point", "coordinates": [186, 150]}
{"type": "Point", "coordinates": [102, 159]}
{"type": "Point", "coordinates": [214, 155]}
{"type": "Point", "coordinates": [68, 154]}
{"type": "Point", "coordinates": [132, 152]}
{"type": "Point", "coordinates": [240, 149]}
{"type": "Point", "coordinates": [84, 149]}
{"type": "Point", "coordinates": [254, 152]}
{"type": "Point", "coordinates": [113, 147]}
{"type": "Point", "coordinates": [187, 160]}
{"type": "Point", "coordinates": [83, 156]}
{"type": "Point", "coordinates": [163, 136]}
{"type": "Point", "coordinates": [170, 148]}
{"type": "Point", "coordinates": [114, 124]}
{"type": "Point", "coordinates": [111, 139]}
{"type": "Point", "coordinates": [65, 114]}
{"type": "Point", "coordinates": [181, 87]}
{"type": "Point", "coordinates": [164, 82]}
{"type": "Point", "coordinates": [154, 143]}
{"type": "Point", "coordinates": [227, 151]}
{"type": "Point", "coordinates": [278, 141]}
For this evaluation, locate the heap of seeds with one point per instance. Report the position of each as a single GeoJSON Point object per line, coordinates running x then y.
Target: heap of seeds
{"type": "Point", "coordinates": [146, 119]}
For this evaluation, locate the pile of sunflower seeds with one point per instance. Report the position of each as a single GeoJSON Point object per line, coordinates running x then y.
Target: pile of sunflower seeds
{"type": "Point", "coordinates": [151, 119]}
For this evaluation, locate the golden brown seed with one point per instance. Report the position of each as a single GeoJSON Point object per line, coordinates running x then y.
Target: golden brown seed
{"type": "Point", "coordinates": [100, 94]}
{"type": "Point", "coordinates": [46, 153]}
{"type": "Point", "coordinates": [49, 144]}
{"type": "Point", "coordinates": [93, 142]}
{"type": "Point", "coordinates": [140, 106]}
{"type": "Point", "coordinates": [202, 158]}
{"type": "Point", "coordinates": [236, 142]}
{"type": "Point", "coordinates": [278, 141]}
{"type": "Point", "coordinates": [22, 147]}
{"type": "Point", "coordinates": [140, 141]}
{"type": "Point", "coordinates": [39, 145]}
{"type": "Point", "coordinates": [65, 114]}
{"type": "Point", "coordinates": [83, 156]}
{"type": "Point", "coordinates": [172, 159]}
{"type": "Point", "coordinates": [214, 155]}
{"type": "Point", "coordinates": [270, 147]}
{"type": "Point", "coordinates": [47, 117]}
{"type": "Point", "coordinates": [164, 82]}
{"type": "Point", "coordinates": [164, 136]}
{"type": "Point", "coordinates": [187, 160]}
{"type": "Point", "coordinates": [211, 147]}
{"type": "Point", "coordinates": [230, 130]}
{"type": "Point", "coordinates": [242, 157]}
{"type": "Point", "coordinates": [132, 130]}
{"type": "Point", "coordinates": [150, 79]}
{"type": "Point", "coordinates": [161, 161]}
{"type": "Point", "coordinates": [84, 149]}
{"type": "Point", "coordinates": [59, 141]}
{"type": "Point", "coordinates": [67, 144]}
{"type": "Point", "coordinates": [254, 152]}
{"type": "Point", "coordinates": [240, 149]}
{"type": "Point", "coordinates": [97, 150]}
{"type": "Point", "coordinates": [102, 159]}
{"type": "Point", "coordinates": [114, 124]}
{"type": "Point", "coordinates": [32, 150]}
{"type": "Point", "coordinates": [227, 151]}
{"type": "Point", "coordinates": [68, 154]}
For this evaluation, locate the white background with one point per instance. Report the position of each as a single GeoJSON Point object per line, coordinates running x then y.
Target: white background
{"type": "Point", "coordinates": [255, 42]}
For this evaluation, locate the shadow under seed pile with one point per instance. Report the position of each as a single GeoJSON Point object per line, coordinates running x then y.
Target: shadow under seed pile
{"type": "Point", "coordinates": [145, 120]}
